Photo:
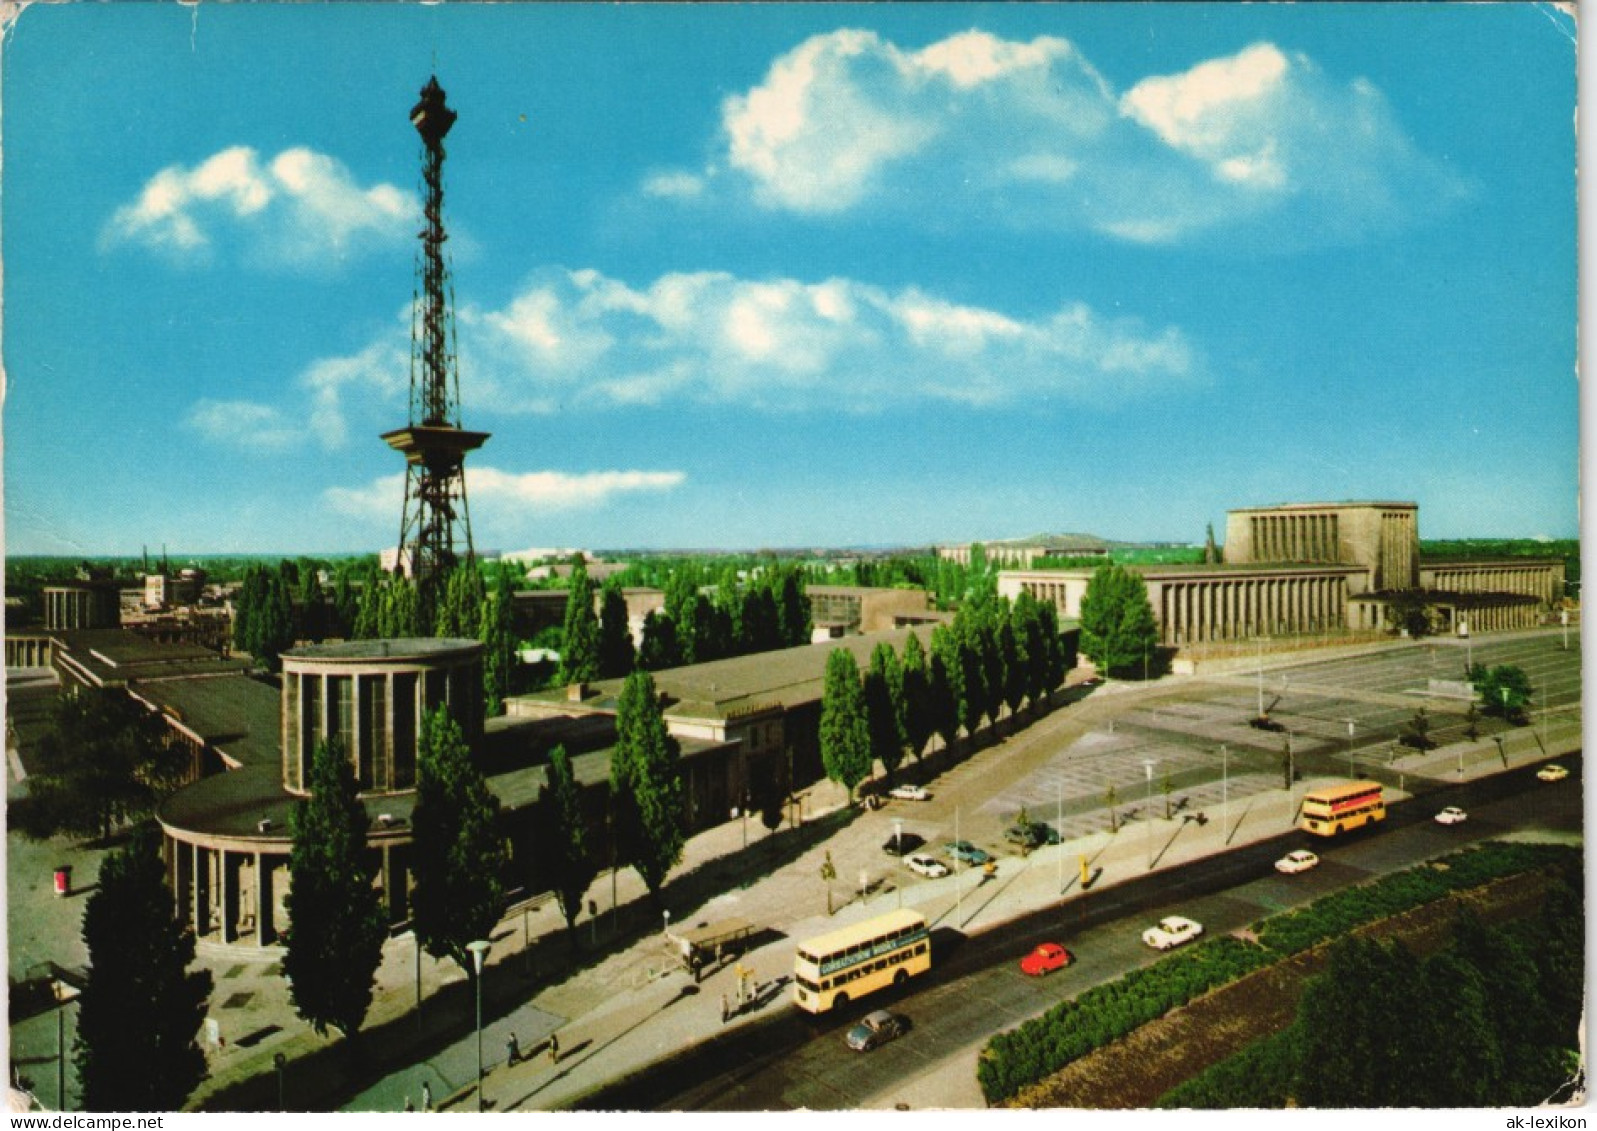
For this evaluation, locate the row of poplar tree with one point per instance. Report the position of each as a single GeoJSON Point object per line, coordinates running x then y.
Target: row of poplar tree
{"type": "Point", "coordinates": [279, 607]}
{"type": "Point", "coordinates": [994, 654]}
{"type": "Point", "coordinates": [768, 611]}
{"type": "Point", "coordinates": [141, 1009]}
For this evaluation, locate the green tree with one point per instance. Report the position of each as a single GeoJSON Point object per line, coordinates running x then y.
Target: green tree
{"type": "Point", "coordinates": [579, 649]}
{"type": "Point", "coordinates": [942, 695]}
{"type": "Point", "coordinates": [759, 628]}
{"type": "Point", "coordinates": [915, 703]}
{"type": "Point", "coordinates": [616, 655]}
{"type": "Point", "coordinates": [660, 648]}
{"type": "Point", "coordinates": [104, 760]}
{"type": "Point", "coordinates": [1011, 644]}
{"type": "Point", "coordinates": [881, 714]}
{"type": "Point", "coordinates": [1117, 624]}
{"type": "Point", "coordinates": [1357, 1024]}
{"type": "Point", "coordinates": [459, 848]}
{"type": "Point", "coordinates": [566, 850]}
{"type": "Point", "coordinates": [844, 731]}
{"type": "Point", "coordinates": [1505, 691]}
{"type": "Point", "coordinates": [141, 1009]}
{"type": "Point", "coordinates": [335, 911]}
{"type": "Point", "coordinates": [646, 773]}
{"type": "Point", "coordinates": [972, 680]}
{"type": "Point", "coordinates": [792, 607]}
{"type": "Point", "coordinates": [498, 636]}
{"type": "Point", "coordinates": [458, 609]}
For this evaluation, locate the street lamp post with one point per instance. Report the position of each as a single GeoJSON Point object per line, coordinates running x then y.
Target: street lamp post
{"type": "Point", "coordinates": [479, 951]}
{"type": "Point", "coordinates": [1147, 767]}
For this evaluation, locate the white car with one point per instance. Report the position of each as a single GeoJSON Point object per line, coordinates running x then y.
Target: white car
{"type": "Point", "coordinates": [928, 866]}
{"type": "Point", "coordinates": [1552, 773]}
{"type": "Point", "coordinates": [1172, 931]}
{"type": "Point", "coordinates": [1452, 815]}
{"type": "Point", "coordinates": [909, 793]}
{"type": "Point", "coordinates": [1299, 861]}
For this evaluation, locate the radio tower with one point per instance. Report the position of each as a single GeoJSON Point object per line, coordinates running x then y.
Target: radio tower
{"type": "Point", "coordinates": [435, 525]}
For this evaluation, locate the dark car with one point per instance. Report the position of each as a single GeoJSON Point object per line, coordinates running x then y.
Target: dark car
{"type": "Point", "coordinates": [1031, 835]}
{"type": "Point", "coordinates": [903, 844]}
{"type": "Point", "coordinates": [875, 1029]}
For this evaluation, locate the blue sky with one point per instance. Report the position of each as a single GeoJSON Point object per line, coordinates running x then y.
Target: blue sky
{"type": "Point", "coordinates": [775, 276]}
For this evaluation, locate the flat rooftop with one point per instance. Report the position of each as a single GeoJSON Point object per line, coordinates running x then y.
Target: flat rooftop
{"type": "Point", "coordinates": [370, 651]}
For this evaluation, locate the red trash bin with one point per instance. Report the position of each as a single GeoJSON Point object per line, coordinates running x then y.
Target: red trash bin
{"type": "Point", "coordinates": [63, 880]}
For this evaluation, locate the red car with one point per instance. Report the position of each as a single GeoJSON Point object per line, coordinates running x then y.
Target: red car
{"type": "Point", "coordinates": [1048, 957]}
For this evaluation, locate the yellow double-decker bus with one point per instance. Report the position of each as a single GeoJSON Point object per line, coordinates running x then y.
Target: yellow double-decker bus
{"type": "Point", "coordinates": [839, 966]}
{"type": "Point", "coordinates": [1341, 808]}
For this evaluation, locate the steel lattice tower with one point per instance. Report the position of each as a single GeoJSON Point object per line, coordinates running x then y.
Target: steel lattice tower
{"type": "Point", "coordinates": [435, 524]}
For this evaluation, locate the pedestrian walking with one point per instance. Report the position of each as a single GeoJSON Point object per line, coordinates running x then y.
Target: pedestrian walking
{"type": "Point", "coordinates": [512, 1050]}
{"type": "Point", "coordinates": [554, 1048]}
{"type": "Point", "coordinates": [724, 1013]}
{"type": "Point", "coordinates": [426, 1096]}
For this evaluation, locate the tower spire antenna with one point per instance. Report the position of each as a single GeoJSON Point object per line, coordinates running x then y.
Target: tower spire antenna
{"type": "Point", "coordinates": [435, 524]}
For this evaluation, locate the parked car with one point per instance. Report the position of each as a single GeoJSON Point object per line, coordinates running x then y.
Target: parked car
{"type": "Point", "coordinates": [909, 793]}
{"type": "Point", "coordinates": [876, 1028]}
{"type": "Point", "coordinates": [1300, 861]}
{"type": "Point", "coordinates": [968, 852]}
{"type": "Point", "coordinates": [900, 844]}
{"type": "Point", "coordinates": [1172, 931]}
{"type": "Point", "coordinates": [1031, 835]}
{"type": "Point", "coordinates": [1452, 815]}
{"type": "Point", "coordinates": [928, 866]}
{"type": "Point", "coordinates": [1047, 958]}
{"type": "Point", "coordinates": [1552, 772]}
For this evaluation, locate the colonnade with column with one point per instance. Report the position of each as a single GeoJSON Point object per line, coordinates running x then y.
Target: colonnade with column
{"type": "Point", "coordinates": [232, 893]}
{"type": "Point", "coordinates": [82, 606]}
{"type": "Point", "coordinates": [1295, 537]}
{"type": "Point", "coordinates": [29, 651]}
{"type": "Point", "coordinates": [1537, 580]}
{"type": "Point", "coordinates": [1221, 608]}
{"type": "Point", "coordinates": [1499, 618]}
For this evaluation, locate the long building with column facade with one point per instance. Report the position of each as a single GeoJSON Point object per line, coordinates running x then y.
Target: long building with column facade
{"type": "Point", "coordinates": [1307, 569]}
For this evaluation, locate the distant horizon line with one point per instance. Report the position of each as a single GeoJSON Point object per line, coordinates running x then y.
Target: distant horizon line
{"type": "Point", "coordinates": [774, 551]}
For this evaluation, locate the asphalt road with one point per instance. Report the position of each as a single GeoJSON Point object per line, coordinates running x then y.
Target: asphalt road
{"type": "Point", "coordinates": [975, 988]}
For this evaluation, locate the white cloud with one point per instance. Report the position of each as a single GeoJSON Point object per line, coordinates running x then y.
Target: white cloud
{"type": "Point", "coordinates": [380, 372]}
{"type": "Point", "coordinates": [496, 493]}
{"type": "Point", "coordinates": [978, 129]}
{"type": "Point", "coordinates": [300, 209]}
{"type": "Point", "coordinates": [557, 490]}
{"type": "Point", "coordinates": [244, 425]}
{"type": "Point", "coordinates": [581, 338]}
{"type": "Point", "coordinates": [676, 183]}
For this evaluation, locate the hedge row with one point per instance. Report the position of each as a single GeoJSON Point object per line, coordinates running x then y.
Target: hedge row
{"type": "Point", "coordinates": [1039, 1047]}
{"type": "Point", "coordinates": [1042, 1046]}
{"type": "Point", "coordinates": [1337, 914]}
